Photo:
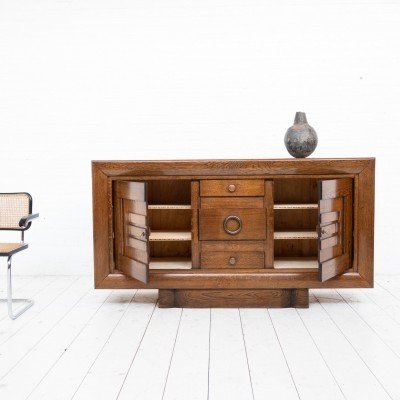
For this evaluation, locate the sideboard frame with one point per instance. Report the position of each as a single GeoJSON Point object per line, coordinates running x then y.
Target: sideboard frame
{"type": "Point", "coordinates": [362, 170]}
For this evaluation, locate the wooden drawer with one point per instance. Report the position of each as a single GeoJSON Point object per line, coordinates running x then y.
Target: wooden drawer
{"type": "Point", "coordinates": [233, 254]}
{"type": "Point", "coordinates": [232, 224]}
{"type": "Point", "coordinates": [227, 259]}
{"type": "Point", "coordinates": [232, 202]}
{"type": "Point", "coordinates": [232, 187]}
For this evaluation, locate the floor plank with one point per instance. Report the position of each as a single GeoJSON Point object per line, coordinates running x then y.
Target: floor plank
{"type": "Point", "coordinates": [147, 375]}
{"type": "Point", "coordinates": [339, 355]}
{"type": "Point", "coordinates": [388, 304]}
{"type": "Point", "coordinates": [42, 357]}
{"type": "Point", "coordinates": [383, 325]}
{"type": "Point", "coordinates": [19, 344]}
{"type": "Point", "coordinates": [66, 375]}
{"type": "Point", "coordinates": [30, 288]}
{"type": "Point", "coordinates": [391, 283]}
{"type": "Point", "coordinates": [104, 379]}
{"type": "Point", "coordinates": [375, 353]}
{"type": "Point", "coordinates": [188, 372]}
{"type": "Point", "coordinates": [229, 376]}
{"type": "Point", "coordinates": [19, 286]}
{"type": "Point", "coordinates": [80, 343]}
{"type": "Point", "coordinates": [311, 375]}
{"type": "Point", "coordinates": [270, 375]}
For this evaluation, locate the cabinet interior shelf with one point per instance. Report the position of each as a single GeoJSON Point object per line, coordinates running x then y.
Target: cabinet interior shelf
{"type": "Point", "coordinates": [169, 207]}
{"type": "Point", "coordinates": [295, 235]}
{"type": "Point", "coordinates": [295, 206]}
{"type": "Point", "coordinates": [295, 262]}
{"type": "Point", "coordinates": [170, 235]}
{"type": "Point", "coordinates": [170, 263]}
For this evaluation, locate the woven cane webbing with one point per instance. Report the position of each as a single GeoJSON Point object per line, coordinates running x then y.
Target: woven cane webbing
{"type": "Point", "coordinates": [13, 206]}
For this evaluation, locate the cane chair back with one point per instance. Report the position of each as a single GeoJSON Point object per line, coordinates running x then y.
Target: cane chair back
{"type": "Point", "coordinates": [14, 206]}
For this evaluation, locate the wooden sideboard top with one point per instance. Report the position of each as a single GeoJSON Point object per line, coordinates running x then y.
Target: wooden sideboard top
{"type": "Point", "coordinates": [229, 167]}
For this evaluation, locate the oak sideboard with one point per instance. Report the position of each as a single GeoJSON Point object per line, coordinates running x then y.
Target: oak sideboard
{"type": "Point", "coordinates": [234, 233]}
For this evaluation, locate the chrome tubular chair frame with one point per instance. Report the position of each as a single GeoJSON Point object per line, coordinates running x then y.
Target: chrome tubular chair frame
{"type": "Point", "coordinates": [10, 301]}
{"type": "Point", "coordinates": [15, 215]}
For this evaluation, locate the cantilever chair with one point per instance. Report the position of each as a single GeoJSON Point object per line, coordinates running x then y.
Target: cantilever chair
{"type": "Point", "coordinates": [15, 215]}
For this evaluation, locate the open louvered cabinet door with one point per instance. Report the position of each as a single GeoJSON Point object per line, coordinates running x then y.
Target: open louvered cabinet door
{"type": "Point", "coordinates": [335, 228]}
{"type": "Point", "coordinates": [132, 229]}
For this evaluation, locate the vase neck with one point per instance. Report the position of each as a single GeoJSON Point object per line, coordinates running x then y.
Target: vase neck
{"type": "Point", "coordinates": [300, 118]}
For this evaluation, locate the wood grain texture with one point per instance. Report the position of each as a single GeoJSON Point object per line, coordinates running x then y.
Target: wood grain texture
{"type": "Point", "coordinates": [132, 242]}
{"type": "Point", "coordinates": [355, 223]}
{"type": "Point", "coordinates": [296, 248]}
{"type": "Point", "coordinates": [334, 266]}
{"type": "Point", "coordinates": [135, 269]}
{"type": "Point", "coordinates": [101, 211]}
{"type": "Point", "coordinates": [167, 191]}
{"type": "Point", "coordinates": [232, 188]}
{"type": "Point", "coordinates": [271, 298]}
{"type": "Point", "coordinates": [260, 278]}
{"type": "Point", "coordinates": [294, 190]}
{"type": "Point", "coordinates": [208, 168]}
{"type": "Point", "coordinates": [219, 245]}
{"type": "Point", "coordinates": [195, 197]}
{"type": "Point", "coordinates": [232, 259]}
{"type": "Point", "coordinates": [211, 224]}
{"type": "Point", "coordinates": [166, 298]}
{"type": "Point", "coordinates": [332, 189]}
{"type": "Point", "coordinates": [292, 219]}
{"type": "Point", "coordinates": [335, 229]}
{"type": "Point", "coordinates": [299, 298]}
{"type": "Point", "coordinates": [360, 170]}
{"type": "Point", "coordinates": [170, 219]}
{"type": "Point", "coordinates": [171, 249]}
{"type": "Point", "coordinates": [232, 202]}
{"type": "Point", "coordinates": [132, 191]}
{"type": "Point", "coordinates": [365, 208]}
{"type": "Point", "coordinates": [269, 208]}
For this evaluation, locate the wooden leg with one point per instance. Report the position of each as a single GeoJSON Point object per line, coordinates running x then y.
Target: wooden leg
{"type": "Point", "coordinates": [299, 298]}
{"type": "Point", "coordinates": [166, 298]}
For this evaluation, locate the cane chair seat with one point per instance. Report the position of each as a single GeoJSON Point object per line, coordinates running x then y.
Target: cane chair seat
{"type": "Point", "coordinates": [8, 249]}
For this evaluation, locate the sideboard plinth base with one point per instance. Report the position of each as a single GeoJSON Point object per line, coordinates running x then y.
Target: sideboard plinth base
{"type": "Point", "coordinates": [212, 298]}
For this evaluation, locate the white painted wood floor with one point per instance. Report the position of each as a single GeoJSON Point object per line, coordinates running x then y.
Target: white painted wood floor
{"type": "Point", "coordinates": [83, 344]}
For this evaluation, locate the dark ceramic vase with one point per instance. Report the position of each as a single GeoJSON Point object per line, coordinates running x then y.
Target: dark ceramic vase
{"type": "Point", "coordinates": [301, 139]}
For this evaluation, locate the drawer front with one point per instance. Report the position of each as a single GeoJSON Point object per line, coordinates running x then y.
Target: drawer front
{"type": "Point", "coordinates": [232, 187]}
{"type": "Point", "coordinates": [232, 259]}
{"type": "Point", "coordinates": [232, 224]}
{"type": "Point", "coordinates": [232, 202]}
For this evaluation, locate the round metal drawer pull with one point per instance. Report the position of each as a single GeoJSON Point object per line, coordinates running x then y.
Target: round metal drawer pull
{"type": "Point", "coordinates": [232, 218]}
{"type": "Point", "coordinates": [231, 188]}
{"type": "Point", "coordinates": [232, 260]}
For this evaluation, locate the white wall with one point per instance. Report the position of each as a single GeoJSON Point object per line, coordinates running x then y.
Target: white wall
{"type": "Point", "coordinates": [170, 79]}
